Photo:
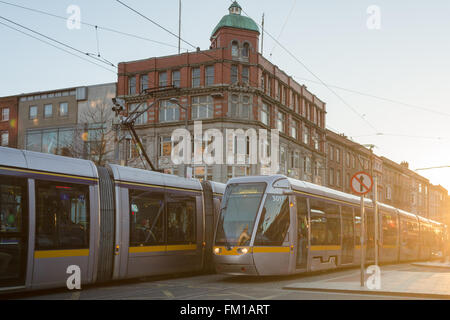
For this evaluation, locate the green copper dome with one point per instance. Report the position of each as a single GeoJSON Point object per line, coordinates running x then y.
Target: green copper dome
{"type": "Point", "coordinates": [235, 20]}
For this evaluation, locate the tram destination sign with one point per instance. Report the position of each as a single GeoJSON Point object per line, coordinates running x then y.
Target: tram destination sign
{"type": "Point", "coordinates": [361, 183]}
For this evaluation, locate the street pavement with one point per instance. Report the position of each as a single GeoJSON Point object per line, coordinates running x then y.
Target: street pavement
{"type": "Point", "coordinates": [420, 282]}
{"type": "Point", "coordinates": [423, 280]}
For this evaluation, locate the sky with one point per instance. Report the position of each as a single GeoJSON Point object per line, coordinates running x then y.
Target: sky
{"type": "Point", "coordinates": [386, 86]}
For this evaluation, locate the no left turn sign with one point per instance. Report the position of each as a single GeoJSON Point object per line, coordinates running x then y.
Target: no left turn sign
{"type": "Point", "coordinates": [361, 183]}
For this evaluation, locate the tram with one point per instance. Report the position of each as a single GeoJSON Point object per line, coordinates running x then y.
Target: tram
{"type": "Point", "coordinates": [274, 225]}
{"type": "Point", "coordinates": [112, 222]}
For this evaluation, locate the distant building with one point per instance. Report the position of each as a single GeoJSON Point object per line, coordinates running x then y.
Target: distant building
{"type": "Point", "coordinates": [229, 86]}
{"type": "Point", "coordinates": [8, 121]}
{"type": "Point", "coordinates": [65, 121]}
{"type": "Point", "coordinates": [345, 158]}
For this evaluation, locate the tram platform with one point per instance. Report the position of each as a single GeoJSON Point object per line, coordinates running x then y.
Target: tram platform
{"type": "Point", "coordinates": [419, 280]}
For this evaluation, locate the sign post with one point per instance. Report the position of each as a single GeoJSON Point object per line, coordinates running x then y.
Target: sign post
{"type": "Point", "coordinates": [361, 184]}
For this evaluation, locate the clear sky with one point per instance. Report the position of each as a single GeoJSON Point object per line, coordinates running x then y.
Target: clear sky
{"type": "Point", "coordinates": [406, 60]}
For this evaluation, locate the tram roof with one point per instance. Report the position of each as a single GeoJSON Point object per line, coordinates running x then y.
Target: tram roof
{"type": "Point", "coordinates": [47, 162]}
{"type": "Point", "coordinates": [128, 174]}
{"type": "Point", "coordinates": [218, 187]}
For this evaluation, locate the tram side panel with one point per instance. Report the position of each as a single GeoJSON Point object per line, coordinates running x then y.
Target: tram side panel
{"type": "Point", "coordinates": [66, 224]}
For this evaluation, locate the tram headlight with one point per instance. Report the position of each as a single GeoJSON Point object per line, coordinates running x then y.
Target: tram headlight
{"type": "Point", "coordinates": [242, 250]}
{"type": "Point", "coordinates": [217, 250]}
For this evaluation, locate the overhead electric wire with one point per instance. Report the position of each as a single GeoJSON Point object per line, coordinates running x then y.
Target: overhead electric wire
{"type": "Point", "coordinates": [66, 51]}
{"type": "Point", "coordinates": [315, 76]}
{"type": "Point", "coordinates": [284, 25]}
{"type": "Point", "coordinates": [91, 25]}
{"type": "Point", "coordinates": [381, 98]}
{"type": "Point", "coordinates": [57, 41]}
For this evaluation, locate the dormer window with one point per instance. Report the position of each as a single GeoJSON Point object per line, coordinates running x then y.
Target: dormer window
{"type": "Point", "coordinates": [234, 49]}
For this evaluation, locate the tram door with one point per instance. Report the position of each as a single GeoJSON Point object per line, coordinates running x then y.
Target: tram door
{"type": "Point", "coordinates": [347, 235]}
{"type": "Point", "coordinates": [302, 233]}
{"type": "Point", "coordinates": [13, 231]}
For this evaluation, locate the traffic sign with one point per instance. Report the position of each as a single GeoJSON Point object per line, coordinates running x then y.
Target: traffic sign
{"type": "Point", "coordinates": [361, 183]}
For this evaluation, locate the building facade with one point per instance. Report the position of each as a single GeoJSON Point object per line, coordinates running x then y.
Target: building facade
{"type": "Point", "coordinates": [8, 121]}
{"type": "Point", "coordinates": [345, 158]}
{"type": "Point", "coordinates": [231, 86]}
{"type": "Point", "coordinates": [69, 122]}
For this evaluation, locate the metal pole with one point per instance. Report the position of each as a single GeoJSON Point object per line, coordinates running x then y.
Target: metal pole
{"type": "Point", "coordinates": [375, 199]}
{"type": "Point", "coordinates": [363, 250]}
{"type": "Point", "coordinates": [187, 128]}
{"type": "Point", "coordinates": [179, 27]}
{"type": "Point", "coordinates": [262, 35]}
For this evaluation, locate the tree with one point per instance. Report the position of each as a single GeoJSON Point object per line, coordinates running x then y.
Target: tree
{"type": "Point", "coordinates": [93, 138]}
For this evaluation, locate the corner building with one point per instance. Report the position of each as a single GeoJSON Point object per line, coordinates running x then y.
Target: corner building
{"type": "Point", "coordinates": [229, 86]}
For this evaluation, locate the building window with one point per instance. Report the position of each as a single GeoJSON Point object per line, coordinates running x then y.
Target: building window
{"type": "Point", "coordinates": [280, 92]}
{"type": "Point", "coordinates": [195, 77]}
{"type": "Point", "coordinates": [294, 129]}
{"type": "Point", "coordinates": [305, 135]}
{"type": "Point", "coordinates": [240, 108]}
{"type": "Point", "coordinates": [347, 159]}
{"type": "Point", "coordinates": [269, 86]}
{"type": "Point", "coordinates": [245, 74]}
{"type": "Point", "coordinates": [338, 177]}
{"type": "Point", "coordinates": [32, 113]}
{"type": "Point", "coordinates": [5, 114]}
{"type": "Point", "coordinates": [331, 177]}
{"type": "Point", "coordinates": [168, 111]}
{"type": "Point", "coordinates": [354, 161]}
{"type": "Point", "coordinates": [144, 82]}
{"type": "Point", "coordinates": [234, 49]}
{"type": "Point", "coordinates": [331, 152]}
{"type": "Point", "coordinates": [209, 75]}
{"type": "Point", "coordinates": [338, 155]}
{"type": "Point", "coordinates": [295, 160]}
{"type": "Point", "coordinates": [245, 50]}
{"type": "Point", "coordinates": [132, 85]}
{"type": "Point", "coordinates": [263, 83]}
{"type": "Point", "coordinates": [281, 121]}
{"type": "Point", "coordinates": [234, 74]}
{"type": "Point", "coordinates": [163, 79]}
{"type": "Point", "coordinates": [265, 114]}
{"type": "Point", "coordinates": [4, 139]}
{"type": "Point", "coordinates": [202, 107]}
{"type": "Point", "coordinates": [48, 111]}
{"type": "Point", "coordinates": [176, 78]}
{"type": "Point", "coordinates": [143, 118]}
{"type": "Point", "coordinates": [63, 109]}
{"type": "Point", "coordinates": [165, 144]}
{"type": "Point", "coordinates": [316, 141]}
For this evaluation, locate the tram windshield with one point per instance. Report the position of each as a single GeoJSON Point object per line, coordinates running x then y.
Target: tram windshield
{"type": "Point", "coordinates": [240, 207]}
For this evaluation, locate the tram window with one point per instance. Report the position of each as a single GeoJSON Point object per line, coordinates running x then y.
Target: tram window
{"type": "Point", "coordinates": [181, 219]}
{"type": "Point", "coordinates": [274, 221]}
{"type": "Point", "coordinates": [325, 226]}
{"type": "Point", "coordinates": [12, 197]}
{"type": "Point", "coordinates": [389, 229]}
{"type": "Point", "coordinates": [146, 217]}
{"type": "Point", "coordinates": [13, 211]}
{"type": "Point", "coordinates": [302, 218]}
{"type": "Point", "coordinates": [62, 216]}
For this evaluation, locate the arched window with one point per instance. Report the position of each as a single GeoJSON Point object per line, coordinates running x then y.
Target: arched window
{"type": "Point", "coordinates": [245, 50]}
{"type": "Point", "coordinates": [234, 49]}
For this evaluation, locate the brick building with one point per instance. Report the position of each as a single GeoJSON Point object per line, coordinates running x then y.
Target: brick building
{"type": "Point", "coordinates": [8, 121]}
{"type": "Point", "coordinates": [345, 158]}
{"type": "Point", "coordinates": [229, 86]}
